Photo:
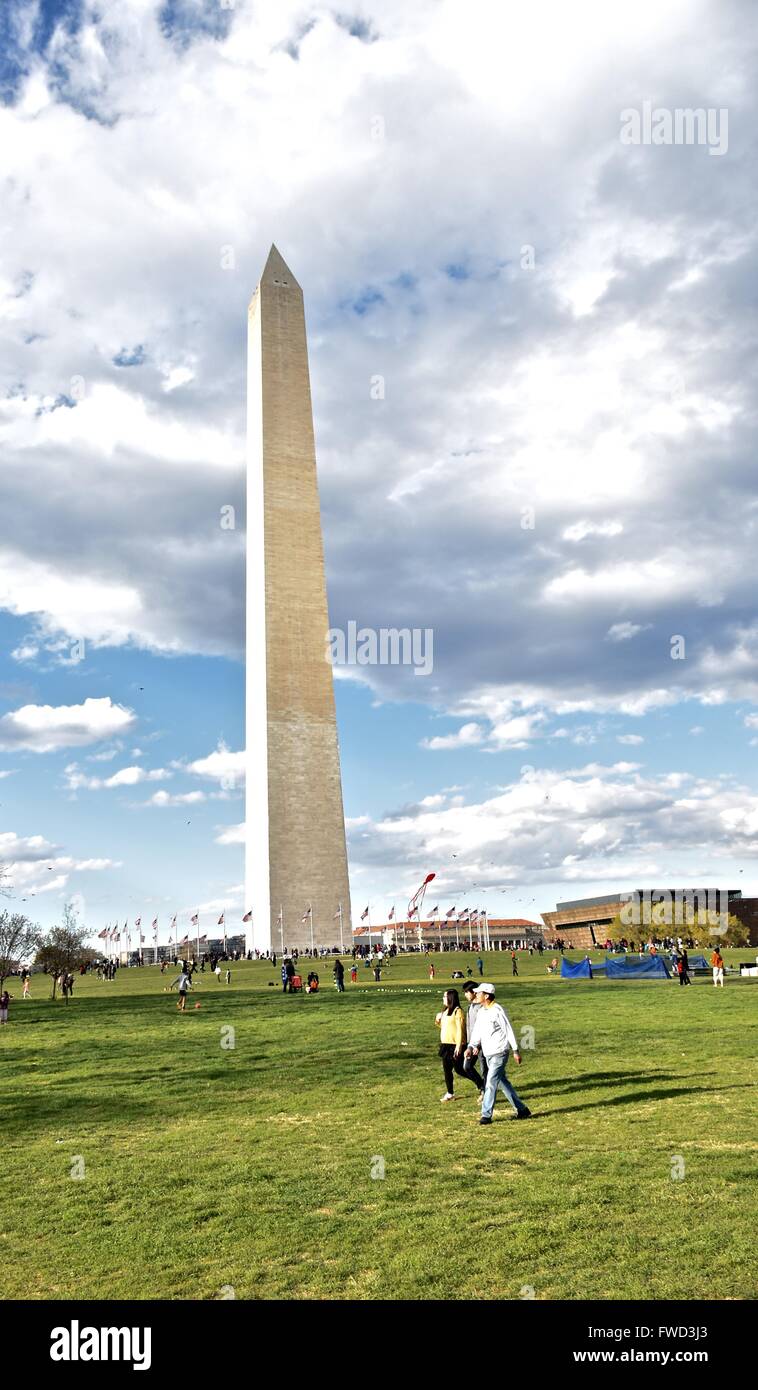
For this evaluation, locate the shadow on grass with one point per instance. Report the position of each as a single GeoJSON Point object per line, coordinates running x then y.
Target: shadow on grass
{"type": "Point", "coordinates": [605, 1078]}
{"type": "Point", "coordinates": [638, 1097]}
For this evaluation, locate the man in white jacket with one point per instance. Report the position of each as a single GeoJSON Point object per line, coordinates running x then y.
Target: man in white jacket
{"type": "Point", "coordinates": [493, 1035]}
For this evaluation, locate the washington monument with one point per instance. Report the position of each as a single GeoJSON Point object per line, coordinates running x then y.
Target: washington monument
{"type": "Point", "coordinates": [295, 854]}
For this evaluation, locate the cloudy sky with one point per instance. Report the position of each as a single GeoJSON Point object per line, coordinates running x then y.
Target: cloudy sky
{"type": "Point", "coordinates": [555, 474]}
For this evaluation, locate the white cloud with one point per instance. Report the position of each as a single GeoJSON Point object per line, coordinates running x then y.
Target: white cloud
{"type": "Point", "coordinates": [27, 651]}
{"type": "Point", "coordinates": [623, 632]}
{"type": "Point", "coordinates": [589, 825]}
{"type": "Point", "coordinates": [517, 732]}
{"type": "Point", "coordinates": [629, 738]}
{"type": "Point", "coordinates": [466, 737]}
{"type": "Point", "coordinates": [186, 799]}
{"type": "Point", "coordinates": [223, 766]}
{"type": "Point", "coordinates": [145, 134]}
{"type": "Point", "coordinates": [36, 867]}
{"type": "Point", "coordinates": [579, 530]}
{"type": "Point", "coordinates": [177, 376]}
{"type": "Point", "coordinates": [44, 728]}
{"type": "Point", "coordinates": [125, 777]}
{"type": "Point", "coordinates": [235, 834]}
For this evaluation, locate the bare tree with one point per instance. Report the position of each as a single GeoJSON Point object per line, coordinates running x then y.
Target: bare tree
{"type": "Point", "coordinates": [19, 939]}
{"type": "Point", "coordinates": [63, 948]}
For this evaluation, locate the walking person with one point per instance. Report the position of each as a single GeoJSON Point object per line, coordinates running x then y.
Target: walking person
{"type": "Point", "coordinates": [514, 963]}
{"type": "Point", "coordinates": [480, 967]}
{"type": "Point", "coordinates": [5, 999]}
{"type": "Point", "coordinates": [493, 1036]}
{"type": "Point", "coordinates": [27, 982]}
{"type": "Point", "coordinates": [469, 1063]}
{"type": "Point", "coordinates": [452, 1025]}
{"type": "Point", "coordinates": [183, 981]}
{"type": "Point", "coordinates": [353, 974]}
{"type": "Point", "coordinates": [717, 962]}
{"type": "Point", "coordinates": [339, 976]}
{"type": "Point", "coordinates": [431, 970]}
{"type": "Point", "coordinates": [228, 977]}
{"type": "Point", "coordinates": [684, 968]}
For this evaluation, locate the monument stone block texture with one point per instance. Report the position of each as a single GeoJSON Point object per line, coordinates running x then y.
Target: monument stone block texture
{"type": "Point", "coordinates": [296, 854]}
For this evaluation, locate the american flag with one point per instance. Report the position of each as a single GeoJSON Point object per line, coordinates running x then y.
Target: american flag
{"type": "Point", "coordinates": [103, 933]}
{"type": "Point", "coordinates": [138, 922]}
{"type": "Point", "coordinates": [412, 912]}
{"type": "Point", "coordinates": [364, 914]}
{"type": "Point", "coordinates": [450, 912]}
{"type": "Point", "coordinates": [155, 924]}
{"type": "Point", "coordinates": [307, 915]}
{"type": "Point", "coordinates": [434, 912]}
{"type": "Point", "coordinates": [173, 920]}
{"type": "Point", "coordinates": [195, 920]}
{"type": "Point", "coordinates": [248, 917]}
{"type": "Point", "coordinates": [337, 914]}
{"type": "Point", "coordinates": [474, 916]}
{"type": "Point", "coordinates": [279, 918]}
{"type": "Point", "coordinates": [391, 914]}
{"type": "Point", "coordinates": [220, 922]}
{"type": "Point", "coordinates": [463, 914]}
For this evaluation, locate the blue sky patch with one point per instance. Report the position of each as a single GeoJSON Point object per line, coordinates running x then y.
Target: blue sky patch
{"type": "Point", "coordinates": [130, 357]}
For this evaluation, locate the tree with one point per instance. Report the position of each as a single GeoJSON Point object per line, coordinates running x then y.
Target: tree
{"type": "Point", "coordinates": [706, 931]}
{"type": "Point", "coordinates": [63, 948]}
{"type": "Point", "coordinates": [19, 939]}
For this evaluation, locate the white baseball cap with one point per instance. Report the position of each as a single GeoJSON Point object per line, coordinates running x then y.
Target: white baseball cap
{"type": "Point", "coordinates": [485, 989]}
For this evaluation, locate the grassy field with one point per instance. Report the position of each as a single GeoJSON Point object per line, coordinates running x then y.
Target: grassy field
{"type": "Point", "coordinates": [208, 1168]}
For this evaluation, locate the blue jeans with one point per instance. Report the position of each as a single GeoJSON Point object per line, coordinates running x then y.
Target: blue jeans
{"type": "Point", "coordinates": [496, 1077]}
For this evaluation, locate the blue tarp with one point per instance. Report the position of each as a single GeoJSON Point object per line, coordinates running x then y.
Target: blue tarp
{"type": "Point", "coordinates": [576, 970]}
{"type": "Point", "coordinates": [697, 963]}
{"type": "Point", "coordinates": [635, 967]}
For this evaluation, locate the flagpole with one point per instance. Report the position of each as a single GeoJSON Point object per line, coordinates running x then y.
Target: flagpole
{"type": "Point", "coordinates": [470, 939]}
{"type": "Point", "coordinates": [342, 939]}
{"type": "Point", "coordinates": [310, 916]}
{"type": "Point", "coordinates": [197, 924]}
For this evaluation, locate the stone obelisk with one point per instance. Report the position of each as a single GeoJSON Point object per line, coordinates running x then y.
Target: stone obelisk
{"type": "Point", "coordinates": [295, 851]}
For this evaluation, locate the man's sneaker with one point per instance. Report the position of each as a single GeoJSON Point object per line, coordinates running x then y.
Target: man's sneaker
{"type": "Point", "coordinates": [448, 1096]}
{"type": "Point", "coordinates": [485, 1121]}
{"type": "Point", "coordinates": [523, 1115]}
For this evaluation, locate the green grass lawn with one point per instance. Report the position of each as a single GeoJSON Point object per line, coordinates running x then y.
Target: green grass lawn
{"type": "Point", "coordinates": [251, 1167]}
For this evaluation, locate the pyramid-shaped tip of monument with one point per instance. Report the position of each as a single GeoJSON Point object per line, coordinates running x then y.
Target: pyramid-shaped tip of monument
{"type": "Point", "coordinates": [276, 270]}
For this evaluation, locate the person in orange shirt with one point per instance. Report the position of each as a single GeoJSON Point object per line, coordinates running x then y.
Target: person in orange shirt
{"type": "Point", "coordinates": [717, 962]}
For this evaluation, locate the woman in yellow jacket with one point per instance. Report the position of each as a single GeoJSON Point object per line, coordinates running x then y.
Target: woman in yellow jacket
{"type": "Point", "coordinates": [451, 1022]}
